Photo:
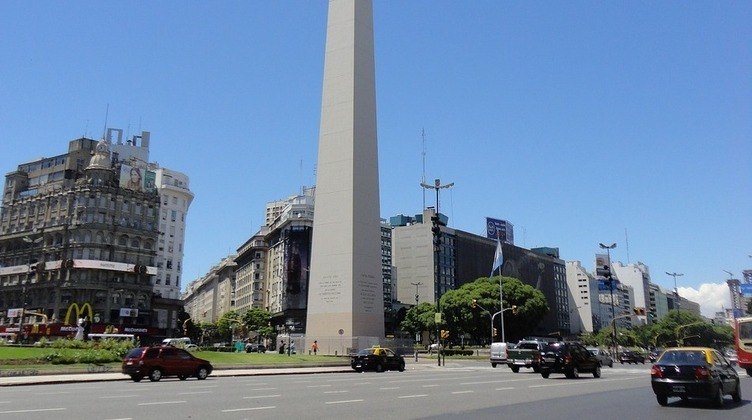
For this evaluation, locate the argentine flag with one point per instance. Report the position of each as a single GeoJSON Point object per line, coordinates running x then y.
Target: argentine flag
{"type": "Point", "coordinates": [498, 258]}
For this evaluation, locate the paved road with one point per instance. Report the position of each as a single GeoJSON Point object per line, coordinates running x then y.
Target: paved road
{"type": "Point", "coordinates": [460, 390]}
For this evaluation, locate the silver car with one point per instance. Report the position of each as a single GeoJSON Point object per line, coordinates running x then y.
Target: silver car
{"type": "Point", "coordinates": [602, 355]}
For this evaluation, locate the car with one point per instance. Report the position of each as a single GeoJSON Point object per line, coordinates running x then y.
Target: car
{"type": "Point", "coordinates": [156, 362]}
{"type": "Point", "coordinates": [569, 358]}
{"type": "Point", "coordinates": [694, 372]}
{"type": "Point", "coordinates": [602, 355]}
{"type": "Point", "coordinates": [378, 359]}
{"type": "Point", "coordinates": [434, 347]}
{"type": "Point", "coordinates": [181, 342]}
{"type": "Point", "coordinates": [498, 353]}
{"type": "Point", "coordinates": [654, 355]}
{"type": "Point", "coordinates": [631, 357]}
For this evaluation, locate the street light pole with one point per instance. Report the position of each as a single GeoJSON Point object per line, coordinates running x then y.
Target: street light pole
{"type": "Point", "coordinates": [436, 229]}
{"type": "Point", "coordinates": [609, 275]}
{"type": "Point", "coordinates": [27, 282]}
{"type": "Point", "coordinates": [676, 292]}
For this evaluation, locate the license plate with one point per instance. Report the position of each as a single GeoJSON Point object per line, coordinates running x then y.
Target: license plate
{"type": "Point", "coordinates": [357, 366]}
{"type": "Point", "coordinates": [678, 388]}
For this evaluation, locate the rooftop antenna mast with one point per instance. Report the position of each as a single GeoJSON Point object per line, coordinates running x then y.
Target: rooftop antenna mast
{"type": "Point", "coordinates": [106, 115]}
{"type": "Point", "coordinates": [626, 238]}
{"type": "Point", "coordinates": [423, 179]}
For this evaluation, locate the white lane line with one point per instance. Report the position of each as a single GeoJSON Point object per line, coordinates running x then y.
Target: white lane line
{"type": "Point", "coordinates": [388, 387]}
{"type": "Point", "coordinates": [505, 388]}
{"type": "Point", "coordinates": [362, 383]}
{"type": "Point", "coordinates": [343, 402]}
{"type": "Point", "coordinates": [109, 397]}
{"type": "Point", "coordinates": [38, 410]}
{"type": "Point", "coordinates": [263, 389]}
{"type": "Point", "coordinates": [164, 402]}
{"type": "Point", "coordinates": [413, 396]}
{"type": "Point", "coordinates": [194, 392]}
{"type": "Point", "coordinates": [124, 418]}
{"type": "Point", "coordinates": [255, 397]}
{"type": "Point", "coordinates": [319, 386]}
{"type": "Point", "coordinates": [431, 386]}
{"type": "Point", "coordinates": [336, 392]}
{"type": "Point", "coordinates": [234, 410]}
{"type": "Point", "coordinates": [463, 392]}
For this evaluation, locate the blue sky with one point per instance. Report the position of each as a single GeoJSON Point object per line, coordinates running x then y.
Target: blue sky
{"type": "Point", "coordinates": [580, 122]}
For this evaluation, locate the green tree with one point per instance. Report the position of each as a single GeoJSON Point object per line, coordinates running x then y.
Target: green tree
{"type": "Point", "coordinates": [461, 317]}
{"type": "Point", "coordinates": [229, 323]}
{"type": "Point", "coordinates": [257, 320]}
{"type": "Point", "coordinates": [420, 318]}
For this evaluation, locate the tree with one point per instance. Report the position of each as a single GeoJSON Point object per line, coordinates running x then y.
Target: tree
{"type": "Point", "coordinates": [461, 317]}
{"type": "Point", "coordinates": [420, 318]}
{"type": "Point", "coordinates": [229, 323]}
{"type": "Point", "coordinates": [257, 320]}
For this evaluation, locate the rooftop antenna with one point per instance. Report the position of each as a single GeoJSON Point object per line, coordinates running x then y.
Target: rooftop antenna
{"type": "Point", "coordinates": [423, 178]}
{"type": "Point", "coordinates": [106, 115]}
{"type": "Point", "coordinates": [626, 237]}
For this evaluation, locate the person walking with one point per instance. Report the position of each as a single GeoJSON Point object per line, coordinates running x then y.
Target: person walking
{"type": "Point", "coordinates": [315, 347]}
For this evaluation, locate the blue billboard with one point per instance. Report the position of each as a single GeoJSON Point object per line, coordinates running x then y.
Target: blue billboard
{"type": "Point", "coordinates": [746, 289]}
{"type": "Point", "coordinates": [500, 229]}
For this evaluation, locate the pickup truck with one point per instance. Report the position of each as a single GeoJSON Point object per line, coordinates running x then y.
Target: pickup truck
{"type": "Point", "coordinates": [526, 354]}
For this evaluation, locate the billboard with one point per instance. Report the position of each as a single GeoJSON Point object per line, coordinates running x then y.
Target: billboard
{"type": "Point", "coordinates": [746, 290]}
{"type": "Point", "coordinates": [137, 178]}
{"type": "Point", "coordinates": [500, 229]}
{"type": "Point", "coordinates": [297, 257]}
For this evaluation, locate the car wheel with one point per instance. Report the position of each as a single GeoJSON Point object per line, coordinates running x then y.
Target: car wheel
{"type": "Point", "coordinates": [597, 372]}
{"type": "Point", "coordinates": [611, 364]}
{"type": "Point", "coordinates": [515, 369]}
{"type": "Point", "coordinates": [182, 377]}
{"type": "Point", "coordinates": [662, 399]}
{"type": "Point", "coordinates": [358, 370]}
{"type": "Point", "coordinates": [136, 378]}
{"type": "Point", "coordinates": [536, 369]}
{"type": "Point", "coordinates": [622, 362]}
{"type": "Point", "coordinates": [737, 395]}
{"type": "Point", "coordinates": [379, 368]}
{"type": "Point", "coordinates": [718, 400]}
{"type": "Point", "coordinates": [202, 373]}
{"type": "Point", "coordinates": [545, 374]}
{"type": "Point", "coordinates": [493, 365]}
{"type": "Point", "coordinates": [575, 372]}
{"type": "Point", "coordinates": [749, 371]}
{"type": "Point", "coordinates": [402, 367]}
{"type": "Point", "coordinates": [155, 375]}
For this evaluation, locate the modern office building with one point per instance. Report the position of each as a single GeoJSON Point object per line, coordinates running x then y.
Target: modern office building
{"type": "Point", "coordinates": [637, 276]}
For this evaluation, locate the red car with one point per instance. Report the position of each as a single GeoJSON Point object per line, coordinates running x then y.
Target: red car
{"type": "Point", "coordinates": [157, 362]}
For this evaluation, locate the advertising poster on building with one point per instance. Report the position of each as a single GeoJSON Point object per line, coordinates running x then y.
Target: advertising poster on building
{"type": "Point", "coordinates": [297, 257]}
{"type": "Point", "coordinates": [499, 229]}
{"type": "Point", "coordinates": [150, 181]}
{"type": "Point", "coordinates": [131, 178]}
{"type": "Point", "coordinates": [746, 290]}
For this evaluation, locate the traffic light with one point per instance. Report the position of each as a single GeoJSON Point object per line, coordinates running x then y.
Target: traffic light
{"type": "Point", "coordinates": [495, 332]}
{"type": "Point", "coordinates": [444, 334]}
{"type": "Point", "coordinates": [514, 309]}
{"type": "Point", "coordinates": [474, 304]}
{"type": "Point", "coordinates": [639, 311]}
{"type": "Point", "coordinates": [607, 271]}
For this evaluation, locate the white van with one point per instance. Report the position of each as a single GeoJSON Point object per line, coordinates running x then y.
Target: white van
{"type": "Point", "coordinates": [182, 342]}
{"type": "Point", "coordinates": [498, 354]}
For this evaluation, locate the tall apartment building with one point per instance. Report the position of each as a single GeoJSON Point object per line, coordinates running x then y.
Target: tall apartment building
{"type": "Point", "coordinates": [580, 297]}
{"type": "Point", "coordinates": [250, 274]}
{"type": "Point", "coordinates": [636, 276]}
{"type": "Point", "coordinates": [208, 298]}
{"type": "Point", "coordinates": [176, 198]}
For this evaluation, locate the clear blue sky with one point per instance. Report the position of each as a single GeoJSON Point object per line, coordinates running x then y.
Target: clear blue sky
{"type": "Point", "coordinates": [576, 121]}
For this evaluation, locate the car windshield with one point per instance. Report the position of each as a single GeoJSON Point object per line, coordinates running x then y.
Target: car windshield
{"type": "Point", "coordinates": [528, 346]}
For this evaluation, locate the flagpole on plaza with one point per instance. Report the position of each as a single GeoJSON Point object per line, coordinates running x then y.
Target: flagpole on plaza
{"type": "Point", "coordinates": [498, 262]}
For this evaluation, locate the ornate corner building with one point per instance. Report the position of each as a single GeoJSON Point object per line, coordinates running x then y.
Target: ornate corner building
{"type": "Point", "coordinates": [80, 236]}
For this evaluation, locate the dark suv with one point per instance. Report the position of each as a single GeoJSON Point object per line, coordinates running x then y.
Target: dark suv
{"type": "Point", "coordinates": [568, 358]}
{"type": "Point", "coordinates": [156, 362]}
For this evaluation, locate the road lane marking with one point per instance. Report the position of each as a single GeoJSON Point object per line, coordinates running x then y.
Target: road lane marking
{"type": "Point", "coordinates": [388, 387]}
{"type": "Point", "coordinates": [262, 396]}
{"type": "Point", "coordinates": [336, 392]}
{"type": "Point", "coordinates": [194, 392]}
{"type": "Point", "coordinates": [164, 402]}
{"type": "Point", "coordinates": [319, 386]}
{"type": "Point", "coordinates": [505, 388]}
{"type": "Point", "coordinates": [463, 392]}
{"type": "Point", "coordinates": [109, 397]}
{"type": "Point", "coordinates": [249, 409]}
{"type": "Point", "coordinates": [343, 402]}
{"type": "Point", "coordinates": [362, 383]}
{"type": "Point", "coordinates": [413, 396]}
{"type": "Point", "coordinates": [431, 386]}
{"type": "Point", "coordinates": [263, 389]}
{"type": "Point", "coordinates": [37, 410]}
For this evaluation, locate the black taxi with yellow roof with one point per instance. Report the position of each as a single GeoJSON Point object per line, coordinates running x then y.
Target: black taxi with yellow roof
{"type": "Point", "coordinates": [377, 358]}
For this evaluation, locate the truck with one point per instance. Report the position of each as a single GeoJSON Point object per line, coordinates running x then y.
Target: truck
{"type": "Point", "coordinates": [525, 354]}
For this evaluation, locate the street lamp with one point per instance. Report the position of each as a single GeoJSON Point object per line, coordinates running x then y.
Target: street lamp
{"type": "Point", "coordinates": [31, 241]}
{"type": "Point", "coordinates": [609, 275]}
{"type": "Point", "coordinates": [513, 308]}
{"type": "Point", "coordinates": [436, 229]}
{"type": "Point", "coordinates": [676, 292]}
{"type": "Point", "coordinates": [417, 296]}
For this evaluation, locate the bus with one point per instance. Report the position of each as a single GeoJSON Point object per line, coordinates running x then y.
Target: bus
{"type": "Point", "coordinates": [743, 343]}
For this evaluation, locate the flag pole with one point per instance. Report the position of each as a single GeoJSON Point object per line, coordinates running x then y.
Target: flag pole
{"type": "Point", "coordinates": [501, 296]}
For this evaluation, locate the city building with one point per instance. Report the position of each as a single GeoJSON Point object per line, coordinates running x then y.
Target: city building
{"type": "Point", "coordinates": [502, 230]}
{"type": "Point", "coordinates": [580, 302]}
{"type": "Point", "coordinates": [78, 237]}
{"type": "Point", "coordinates": [636, 276]}
{"type": "Point", "coordinates": [208, 298]}
{"type": "Point", "coordinates": [250, 274]}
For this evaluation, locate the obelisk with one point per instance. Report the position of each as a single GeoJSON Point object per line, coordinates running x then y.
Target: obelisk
{"type": "Point", "coordinates": [345, 297]}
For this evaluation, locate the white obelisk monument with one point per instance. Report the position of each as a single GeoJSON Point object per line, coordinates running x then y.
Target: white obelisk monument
{"type": "Point", "coordinates": [345, 297]}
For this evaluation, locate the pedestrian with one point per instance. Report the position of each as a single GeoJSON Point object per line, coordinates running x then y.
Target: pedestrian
{"type": "Point", "coordinates": [315, 347]}
{"type": "Point", "coordinates": [86, 328]}
{"type": "Point", "coordinates": [281, 347]}
{"type": "Point", "coordinates": [79, 329]}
